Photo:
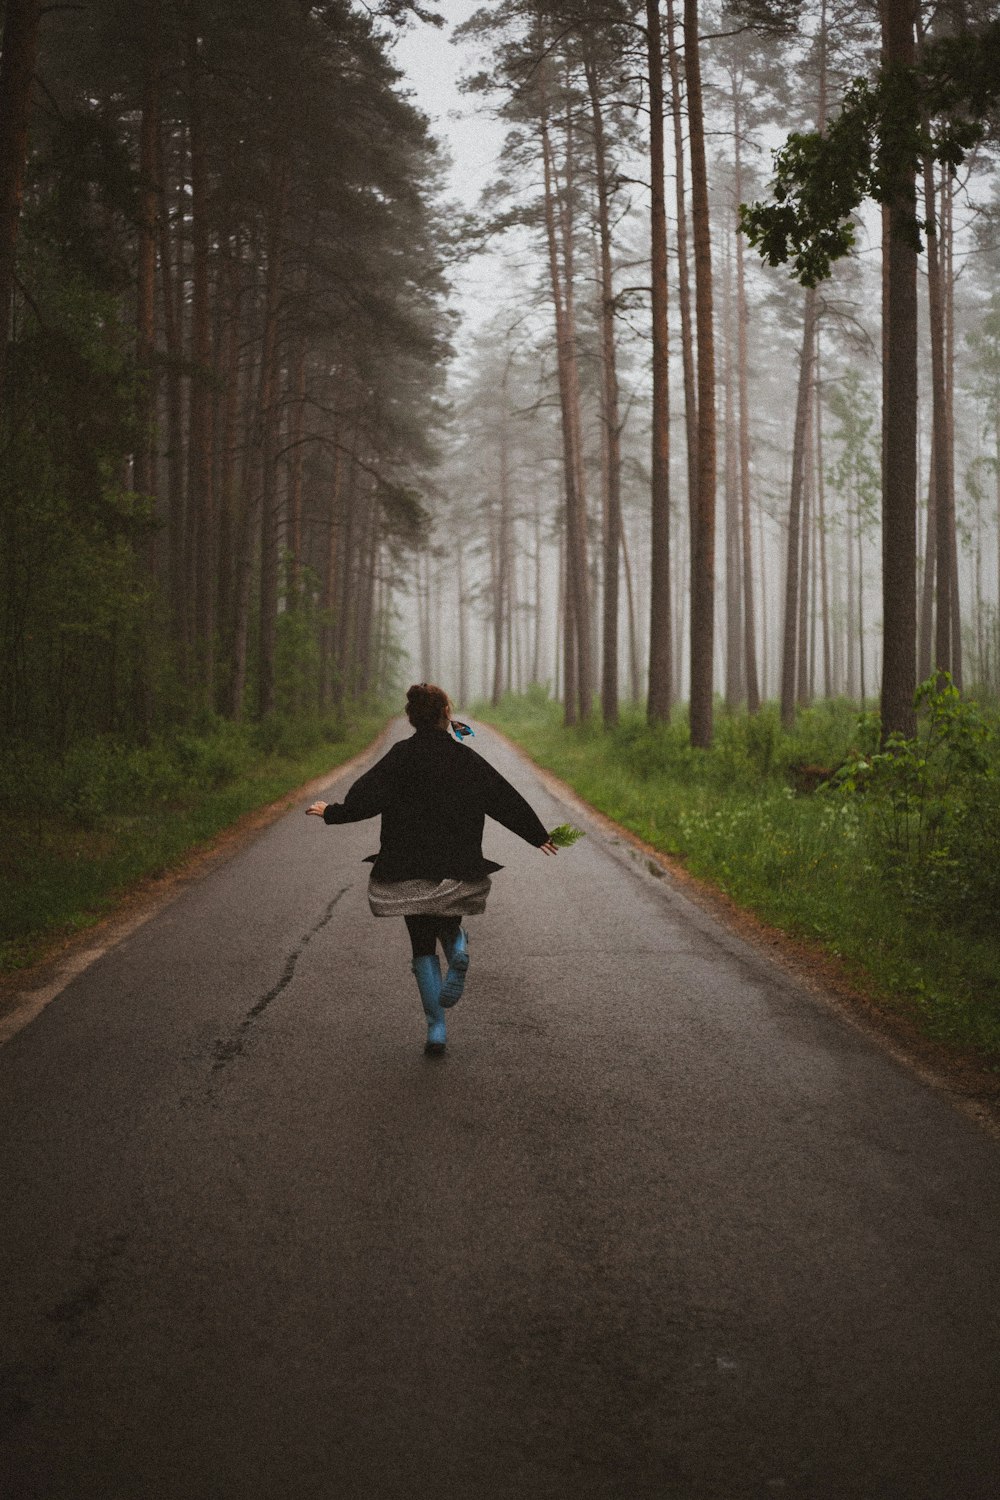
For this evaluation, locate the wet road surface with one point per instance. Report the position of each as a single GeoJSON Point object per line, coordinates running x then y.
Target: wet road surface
{"type": "Point", "coordinates": [660, 1224]}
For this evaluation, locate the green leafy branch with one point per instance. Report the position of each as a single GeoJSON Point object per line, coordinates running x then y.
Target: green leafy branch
{"type": "Point", "coordinates": [882, 132]}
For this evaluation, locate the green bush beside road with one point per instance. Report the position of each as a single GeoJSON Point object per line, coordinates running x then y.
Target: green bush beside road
{"type": "Point", "coordinates": [888, 860]}
{"type": "Point", "coordinates": [77, 833]}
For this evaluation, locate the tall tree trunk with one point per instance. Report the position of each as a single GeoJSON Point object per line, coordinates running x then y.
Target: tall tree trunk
{"type": "Point", "coordinates": [996, 617]}
{"type": "Point", "coordinates": [948, 293]}
{"type": "Point", "coordinates": [502, 591]}
{"type": "Point", "coordinates": [805, 592]}
{"type": "Point", "coordinates": [566, 199]}
{"type": "Point", "coordinates": [661, 691]}
{"type": "Point", "coordinates": [926, 649]}
{"type": "Point", "coordinates": [743, 377]}
{"type": "Point", "coordinates": [683, 276]}
{"type": "Point", "coordinates": [558, 633]}
{"type": "Point", "coordinates": [268, 410]}
{"type": "Point", "coordinates": [200, 444]}
{"type": "Point", "coordinates": [734, 680]}
{"type": "Point", "coordinates": [611, 518]}
{"type": "Point", "coordinates": [144, 460]}
{"type": "Point", "coordinates": [346, 582]}
{"type": "Point", "coordinates": [365, 629]}
{"type": "Point", "coordinates": [172, 280]}
{"type": "Point", "coordinates": [463, 628]}
{"type": "Point", "coordinates": [861, 609]}
{"type": "Point", "coordinates": [230, 500]}
{"type": "Point", "coordinates": [577, 644]}
{"type": "Point", "coordinates": [899, 406]}
{"type": "Point", "coordinates": [296, 443]}
{"type": "Point", "coordinates": [824, 572]}
{"type": "Point", "coordinates": [536, 652]}
{"type": "Point", "coordinates": [789, 651]}
{"type": "Point", "coordinates": [424, 610]}
{"type": "Point", "coordinates": [634, 665]}
{"type": "Point", "coordinates": [944, 539]}
{"type": "Point", "coordinates": [850, 642]}
{"type": "Point", "coordinates": [330, 569]}
{"type": "Point", "coordinates": [144, 469]}
{"type": "Point", "coordinates": [17, 75]}
{"type": "Point", "coordinates": [703, 530]}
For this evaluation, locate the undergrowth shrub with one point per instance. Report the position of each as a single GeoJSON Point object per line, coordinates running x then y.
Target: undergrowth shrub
{"type": "Point", "coordinates": [101, 777]}
{"type": "Point", "coordinates": [891, 859]}
{"type": "Point", "coordinates": [932, 809]}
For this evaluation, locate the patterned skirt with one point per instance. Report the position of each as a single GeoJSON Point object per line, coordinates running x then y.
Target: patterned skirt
{"type": "Point", "coordinates": [428, 898]}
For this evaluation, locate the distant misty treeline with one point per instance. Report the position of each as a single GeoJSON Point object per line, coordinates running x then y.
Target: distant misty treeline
{"type": "Point", "coordinates": [665, 473]}
{"type": "Point", "coordinates": [235, 481]}
{"type": "Point", "coordinates": [222, 274]}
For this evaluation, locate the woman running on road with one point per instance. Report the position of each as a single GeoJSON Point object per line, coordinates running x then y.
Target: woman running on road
{"type": "Point", "coordinates": [433, 793]}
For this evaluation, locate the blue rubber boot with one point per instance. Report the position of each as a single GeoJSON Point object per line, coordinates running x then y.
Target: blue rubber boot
{"type": "Point", "coordinates": [427, 968]}
{"type": "Point", "coordinates": [457, 952]}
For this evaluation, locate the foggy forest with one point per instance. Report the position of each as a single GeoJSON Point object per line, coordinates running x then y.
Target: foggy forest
{"type": "Point", "coordinates": [715, 438]}
{"type": "Point", "coordinates": [255, 463]}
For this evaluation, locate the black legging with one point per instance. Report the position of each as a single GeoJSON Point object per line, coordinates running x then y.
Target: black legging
{"type": "Point", "coordinates": [425, 931]}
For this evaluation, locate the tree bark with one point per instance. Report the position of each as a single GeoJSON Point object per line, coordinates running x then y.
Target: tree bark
{"type": "Point", "coordinates": [296, 465]}
{"type": "Point", "coordinates": [899, 408]}
{"type": "Point", "coordinates": [790, 638]}
{"type": "Point", "coordinates": [267, 444]}
{"type": "Point", "coordinates": [703, 530]}
{"type": "Point", "coordinates": [944, 533]}
{"type": "Point", "coordinates": [610, 418]}
{"type": "Point", "coordinates": [331, 559]}
{"type": "Point", "coordinates": [683, 276]}
{"type": "Point", "coordinates": [576, 646]}
{"type": "Point", "coordinates": [463, 635]}
{"type": "Point", "coordinates": [17, 76]}
{"type": "Point", "coordinates": [734, 681]}
{"type": "Point", "coordinates": [805, 550]}
{"type": "Point", "coordinates": [661, 691]}
{"type": "Point", "coordinates": [824, 573]}
{"type": "Point", "coordinates": [229, 498]}
{"type": "Point", "coordinates": [948, 293]}
{"type": "Point", "coordinates": [501, 573]}
{"type": "Point", "coordinates": [143, 461]}
{"type": "Point", "coordinates": [743, 377]}
{"type": "Point", "coordinates": [566, 200]}
{"type": "Point", "coordinates": [171, 281]}
{"type": "Point", "coordinates": [634, 665]}
{"type": "Point", "coordinates": [201, 499]}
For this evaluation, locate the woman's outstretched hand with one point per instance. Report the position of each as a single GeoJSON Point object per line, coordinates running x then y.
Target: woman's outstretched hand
{"type": "Point", "coordinates": [317, 810]}
{"type": "Point", "coordinates": [548, 848]}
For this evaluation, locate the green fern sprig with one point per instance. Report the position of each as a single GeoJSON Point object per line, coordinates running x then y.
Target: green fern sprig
{"type": "Point", "coordinates": [565, 835]}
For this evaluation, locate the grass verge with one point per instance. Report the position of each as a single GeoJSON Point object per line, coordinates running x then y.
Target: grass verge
{"type": "Point", "coordinates": [748, 817]}
{"type": "Point", "coordinates": [76, 836]}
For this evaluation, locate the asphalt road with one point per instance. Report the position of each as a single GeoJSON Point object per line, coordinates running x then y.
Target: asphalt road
{"type": "Point", "coordinates": [659, 1224]}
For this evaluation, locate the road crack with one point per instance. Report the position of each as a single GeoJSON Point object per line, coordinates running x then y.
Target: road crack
{"type": "Point", "coordinates": [226, 1049]}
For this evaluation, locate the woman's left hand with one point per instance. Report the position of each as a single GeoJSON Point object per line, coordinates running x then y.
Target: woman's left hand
{"type": "Point", "coordinates": [317, 810]}
{"type": "Point", "coordinates": [548, 848]}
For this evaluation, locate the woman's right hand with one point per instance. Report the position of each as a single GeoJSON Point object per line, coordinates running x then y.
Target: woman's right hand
{"type": "Point", "coordinates": [317, 810]}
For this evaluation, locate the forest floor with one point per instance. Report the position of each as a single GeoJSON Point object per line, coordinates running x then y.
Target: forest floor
{"type": "Point", "coordinates": [110, 827]}
{"type": "Point", "coordinates": [790, 867]}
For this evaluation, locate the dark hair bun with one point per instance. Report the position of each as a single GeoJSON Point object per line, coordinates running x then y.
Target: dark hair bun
{"type": "Point", "coordinates": [426, 705]}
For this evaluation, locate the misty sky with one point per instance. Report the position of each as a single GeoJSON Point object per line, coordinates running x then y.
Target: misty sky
{"type": "Point", "coordinates": [433, 64]}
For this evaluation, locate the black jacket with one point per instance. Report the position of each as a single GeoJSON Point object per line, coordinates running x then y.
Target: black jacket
{"type": "Point", "coordinates": [434, 794]}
